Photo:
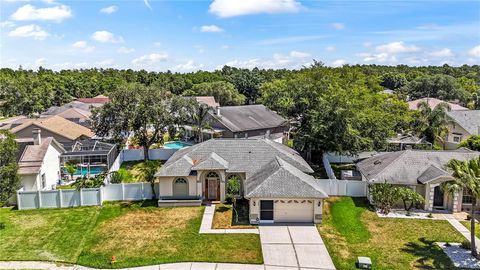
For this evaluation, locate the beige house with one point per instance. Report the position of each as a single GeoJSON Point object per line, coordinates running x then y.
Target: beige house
{"type": "Point", "coordinates": [433, 103]}
{"type": "Point", "coordinates": [423, 171]}
{"type": "Point", "coordinates": [273, 177]}
{"type": "Point", "coordinates": [463, 125]}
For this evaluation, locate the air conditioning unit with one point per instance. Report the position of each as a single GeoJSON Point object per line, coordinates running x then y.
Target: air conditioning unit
{"type": "Point", "coordinates": [364, 263]}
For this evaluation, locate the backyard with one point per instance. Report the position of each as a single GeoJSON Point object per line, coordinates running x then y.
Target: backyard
{"type": "Point", "coordinates": [350, 229]}
{"type": "Point", "coordinates": [131, 171]}
{"type": "Point", "coordinates": [136, 233]}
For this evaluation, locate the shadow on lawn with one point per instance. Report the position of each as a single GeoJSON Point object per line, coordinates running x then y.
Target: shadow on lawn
{"type": "Point", "coordinates": [362, 202]}
{"type": "Point", "coordinates": [429, 253]}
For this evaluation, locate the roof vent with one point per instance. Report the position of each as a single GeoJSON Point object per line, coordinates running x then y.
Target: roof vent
{"type": "Point", "coordinates": [377, 162]}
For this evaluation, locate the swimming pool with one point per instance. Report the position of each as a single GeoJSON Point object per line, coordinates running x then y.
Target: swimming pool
{"type": "Point", "coordinates": [176, 145]}
{"type": "Point", "coordinates": [81, 171]}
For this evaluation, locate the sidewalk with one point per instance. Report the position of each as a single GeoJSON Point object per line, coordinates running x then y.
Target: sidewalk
{"type": "Point", "coordinates": [207, 221]}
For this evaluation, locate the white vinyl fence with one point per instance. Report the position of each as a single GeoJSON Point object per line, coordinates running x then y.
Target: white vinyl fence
{"type": "Point", "coordinates": [84, 197]}
{"type": "Point", "coordinates": [328, 167]}
{"type": "Point", "coordinates": [350, 188]}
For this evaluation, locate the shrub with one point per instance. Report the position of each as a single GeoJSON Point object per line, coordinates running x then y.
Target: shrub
{"type": "Point", "coordinates": [466, 245]}
{"type": "Point", "coordinates": [122, 175]}
{"type": "Point", "coordinates": [384, 196]}
{"type": "Point", "coordinates": [409, 197]}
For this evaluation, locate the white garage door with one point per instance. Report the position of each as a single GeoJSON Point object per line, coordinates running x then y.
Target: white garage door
{"type": "Point", "coordinates": [293, 211]}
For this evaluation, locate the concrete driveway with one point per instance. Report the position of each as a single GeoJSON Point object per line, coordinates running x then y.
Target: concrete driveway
{"type": "Point", "coordinates": [294, 247]}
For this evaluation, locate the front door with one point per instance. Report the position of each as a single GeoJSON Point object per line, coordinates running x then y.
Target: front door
{"type": "Point", "coordinates": [212, 189]}
{"type": "Point", "coordinates": [266, 210]}
{"type": "Point", "coordinates": [438, 197]}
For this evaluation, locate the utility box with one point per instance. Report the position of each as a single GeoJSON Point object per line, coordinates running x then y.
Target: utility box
{"type": "Point", "coordinates": [364, 263]}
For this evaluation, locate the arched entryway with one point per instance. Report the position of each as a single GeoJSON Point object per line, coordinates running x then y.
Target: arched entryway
{"type": "Point", "coordinates": [180, 187]}
{"type": "Point", "coordinates": [212, 186]}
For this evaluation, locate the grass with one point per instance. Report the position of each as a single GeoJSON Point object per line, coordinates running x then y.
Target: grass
{"type": "Point", "coordinates": [133, 171]}
{"type": "Point", "coordinates": [137, 233]}
{"type": "Point", "coordinates": [350, 229]}
{"type": "Point", "coordinates": [467, 225]}
{"type": "Point", "coordinates": [223, 219]}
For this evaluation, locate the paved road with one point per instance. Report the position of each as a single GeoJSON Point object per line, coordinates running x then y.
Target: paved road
{"type": "Point", "coordinates": [294, 247]}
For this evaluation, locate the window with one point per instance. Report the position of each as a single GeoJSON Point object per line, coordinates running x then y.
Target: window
{"type": "Point", "coordinates": [467, 196]}
{"type": "Point", "coordinates": [181, 181]}
{"type": "Point", "coordinates": [457, 137]}
{"type": "Point", "coordinates": [44, 181]}
{"type": "Point", "coordinates": [212, 175]}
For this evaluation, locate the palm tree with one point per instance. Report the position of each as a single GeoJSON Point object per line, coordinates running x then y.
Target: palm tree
{"type": "Point", "coordinates": [200, 119]}
{"type": "Point", "coordinates": [432, 123]}
{"type": "Point", "coordinates": [467, 177]}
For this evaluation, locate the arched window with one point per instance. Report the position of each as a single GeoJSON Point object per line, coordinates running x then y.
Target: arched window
{"type": "Point", "coordinates": [212, 175]}
{"type": "Point", "coordinates": [234, 188]}
{"type": "Point", "coordinates": [180, 187]}
{"type": "Point", "coordinates": [181, 181]}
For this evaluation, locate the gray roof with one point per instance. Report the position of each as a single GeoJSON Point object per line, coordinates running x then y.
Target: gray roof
{"type": "Point", "coordinates": [240, 155]}
{"type": "Point", "coordinates": [407, 139]}
{"type": "Point", "coordinates": [60, 109]}
{"type": "Point", "coordinates": [32, 157]}
{"type": "Point", "coordinates": [212, 162]}
{"type": "Point", "coordinates": [467, 119]}
{"type": "Point", "coordinates": [432, 173]}
{"type": "Point", "coordinates": [248, 117]}
{"type": "Point", "coordinates": [279, 179]}
{"type": "Point", "coordinates": [410, 167]}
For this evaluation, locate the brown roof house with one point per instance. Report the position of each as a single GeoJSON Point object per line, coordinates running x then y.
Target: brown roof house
{"type": "Point", "coordinates": [39, 162]}
{"type": "Point", "coordinates": [433, 103]}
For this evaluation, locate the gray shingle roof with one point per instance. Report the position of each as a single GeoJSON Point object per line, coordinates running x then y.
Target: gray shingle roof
{"type": "Point", "coordinates": [242, 155]}
{"type": "Point", "coordinates": [248, 117]}
{"type": "Point", "coordinates": [32, 157]}
{"type": "Point", "coordinates": [467, 119]}
{"type": "Point", "coordinates": [278, 179]}
{"type": "Point", "coordinates": [409, 166]}
{"type": "Point", "coordinates": [212, 162]}
{"type": "Point", "coordinates": [432, 173]}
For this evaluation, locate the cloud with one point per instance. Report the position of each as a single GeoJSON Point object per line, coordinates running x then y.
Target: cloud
{"type": "Point", "coordinates": [83, 46]}
{"type": "Point", "coordinates": [291, 39]}
{"type": "Point", "coordinates": [6, 24]}
{"type": "Point", "coordinates": [330, 48]}
{"type": "Point", "coordinates": [377, 57]}
{"type": "Point", "coordinates": [293, 60]}
{"type": "Point", "coordinates": [31, 30]}
{"type": "Point", "coordinates": [338, 26]}
{"type": "Point", "coordinates": [188, 66]}
{"type": "Point", "coordinates": [104, 63]}
{"type": "Point", "coordinates": [106, 37]}
{"type": "Point", "coordinates": [125, 50]}
{"type": "Point", "coordinates": [229, 8]}
{"type": "Point", "coordinates": [157, 44]}
{"type": "Point", "coordinates": [339, 62]}
{"type": "Point", "coordinates": [40, 61]}
{"type": "Point", "coordinates": [150, 59]}
{"type": "Point", "coordinates": [475, 51]}
{"type": "Point", "coordinates": [109, 9]}
{"type": "Point", "coordinates": [445, 52]}
{"type": "Point", "coordinates": [30, 13]}
{"type": "Point", "coordinates": [211, 29]}
{"type": "Point", "coordinates": [297, 54]}
{"type": "Point", "coordinates": [396, 47]}
{"type": "Point", "coordinates": [147, 4]}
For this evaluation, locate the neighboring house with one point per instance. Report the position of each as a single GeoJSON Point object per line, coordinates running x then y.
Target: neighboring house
{"type": "Point", "coordinates": [91, 157]}
{"type": "Point", "coordinates": [433, 103]}
{"type": "Point", "coordinates": [62, 130]}
{"type": "Point", "coordinates": [207, 100]}
{"type": "Point", "coordinates": [39, 162]}
{"type": "Point", "coordinates": [407, 141]}
{"type": "Point", "coordinates": [76, 115]}
{"type": "Point", "coordinates": [463, 125]}
{"type": "Point", "coordinates": [423, 171]}
{"type": "Point", "coordinates": [97, 101]}
{"type": "Point", "coordinates": [274, 178]}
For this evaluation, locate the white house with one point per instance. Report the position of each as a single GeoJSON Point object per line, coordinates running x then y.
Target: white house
{"type": "Point", "coordinates": [39, 162]}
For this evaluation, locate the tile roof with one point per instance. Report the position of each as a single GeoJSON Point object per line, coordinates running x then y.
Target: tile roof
{"type": "Point", "coordinates": [467, 119]}
{"type": "Point", "coordinates": [279, 179]}
{"type": "Point", "coordinates": [248, 117]}
{"type": "Point", "coordinates": [409, 166]}
{"type": "Point", "coordinates": [433, 103]}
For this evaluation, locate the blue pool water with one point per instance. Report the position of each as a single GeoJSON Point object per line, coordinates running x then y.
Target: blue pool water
{"type": "Point", "coordinates": [176, 145]}
{"type": "Point", "coordinates": [84, 170]}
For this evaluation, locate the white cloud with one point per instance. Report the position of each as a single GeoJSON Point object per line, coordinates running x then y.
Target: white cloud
{"type": "Point", "coordinates": [188, 66]}
{"type": "Point", "coordinates": [211, 29]}
{"type": "Point", "coordinates": [83, 45]}
{"type": "Point", "coordinates": [109, 9]}
{"type": "Point", "coordinates": [396, 47]}
{"type": "Point", "coordinates": [104, 63]}
{"type": "Point", "coordinates": [377, 57]}
{"type": "Point", "coordinates": [475, 51]}
{"type": "Point", "coordinates": [297, 54]}
{"type": "Point", "coordinates": [40, 61]}
{"type": "Point", "coordinates": [229, 8]}
{"type": "Point", "coordinates": [30, 13]}
{"type": "Point", "coordinates": [6, 24]}
{"type": "Point", "coordinates": [31, 30]}
{"type": "Point", "coordinates": [125, 50]}
{"type": "Point", "coordinates": [105, 36]}
{"type": "Point", "coordinates": [149, 59]}
{"type": "Point", "coordinates": [338, 26]}
{"type": "Point", "coordinates": [339, 62]}
{"type": "Point", "coordinates": [290, 39]}
{"type": "Point", "coordinates": [69, 65]}
{"type": "Point", "coordinates": [293, 60]}
{"type": "Point", "coordinates": [445, 52]}
{"type": "Point", "coordinates": [330, 48]}
{"type": "Point", "coordinates": [147, 4]}
{"type": "Point", "coordinates": [157, 44]}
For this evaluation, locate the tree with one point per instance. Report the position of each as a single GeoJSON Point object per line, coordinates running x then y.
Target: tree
{"type": "Point", "coordinates": [440, 86]}
{"type": "Point", "coordinates": [246, 81]}
{"type": "Point", "coordinates": [9, 179]}
{"type": "Point", "coordinates": [71, 169]}
{"type": "Point", "coordinates": [225, 93]}
{"type": "Point", "coordinates": [466, 177]}
{"type": "Point", "coordinates": [144, 112]}
{"type": "Point", "coordinates": [383, 196]}
{"type": "Point", "coordinates": [472, 143]}
{"type": "Point", "coordinates": [233, 188]}
{"type": "Point", "coordinates": [148, 171]}
{"type": "Point", "coordinates": [409, 197]}
{"type": "Point", "coordinates": [432, 123]}
{"type": "Point", "coordinates": [200, 119]}
{"type": "Point", "coordinates": [393, 80]}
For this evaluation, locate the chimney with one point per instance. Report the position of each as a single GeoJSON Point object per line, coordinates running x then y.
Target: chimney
{"type": "Point", "coordinates": [37, 138]}
{"type": "Point", "coordinates": [218, 111]}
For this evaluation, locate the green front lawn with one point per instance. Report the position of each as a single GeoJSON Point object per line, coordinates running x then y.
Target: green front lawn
{"type": "Point", "coordinates": [350, 229]}
{"type": "Point", "coordinates": [467, 225]}
{"type": "Point", "coordinates": [135, 233]}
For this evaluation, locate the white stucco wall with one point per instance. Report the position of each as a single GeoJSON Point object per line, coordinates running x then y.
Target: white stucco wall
{"type": "Point", "coordinates": [455, 128]}
{"type": "Point", "coordinates": [50, 167]}
{"type": "Point", "coordinates": [255, 208]}
{"type": "Point", "coordinates": [29, 182]}
{"type": "Point", "coordinates": [166, 185]}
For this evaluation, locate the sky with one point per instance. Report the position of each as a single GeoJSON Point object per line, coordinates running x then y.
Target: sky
{"type": "Point", "coordinates": [190, 35]}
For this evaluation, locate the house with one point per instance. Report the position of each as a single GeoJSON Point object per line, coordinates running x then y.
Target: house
{"type": "Point", "coordinates": [423, 171]}
{"type": "Point", "coordinates": [433, 103]}
{"type": "Point", "coordinates": [273, 177]}
{"type": "Point", "coordinates": [463, 125]}
{"type": "Point", "coordinates": [407, 141]}
{"type": "Point", "coordinates": [95, 102]}
{"type": "Point", "coordinates": [206, 100]}
{"type": "Point", "coordinates": [62, 130]}
{"type": "Point", "coordinates": [39, 162]}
